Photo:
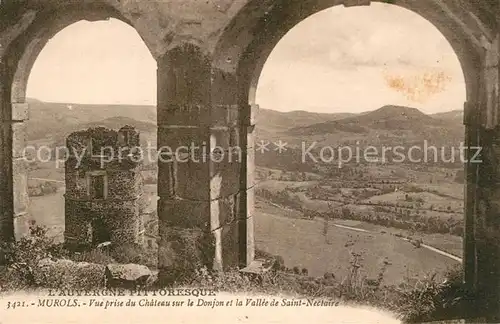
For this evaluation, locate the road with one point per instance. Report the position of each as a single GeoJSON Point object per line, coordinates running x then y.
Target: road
{"type": "Point", "coordinates": [425, 246]}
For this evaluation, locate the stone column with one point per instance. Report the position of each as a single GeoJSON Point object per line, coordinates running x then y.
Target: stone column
{"type": "Point", "coordinates": [487, 214]}
{"type": "Point", "coordinates": [199, 166]}
{"type": "Point", "coordinates": [13, 178]}
{"type": "Point", "coordinates": [247, 185]}
{"type": "Point", "coordinates": [19, 169]}
{"type": "Point", "coordinates": [471, 112]}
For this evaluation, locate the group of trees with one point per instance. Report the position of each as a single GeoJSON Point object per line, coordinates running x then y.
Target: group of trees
{"type": "Point", "coordinates": [281, 197]}
{"type": "Point", "coordinates": [416, 222]}
{"type": "Point", "coordinates": [279, 263]}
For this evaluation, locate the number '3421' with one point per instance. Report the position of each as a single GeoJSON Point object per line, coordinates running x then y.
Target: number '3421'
{"type": "Point", "coordinates": [13, 305]}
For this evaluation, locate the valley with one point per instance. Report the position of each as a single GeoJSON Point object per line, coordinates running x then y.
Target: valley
{"type": "Point", "coordinates": [315, 215]}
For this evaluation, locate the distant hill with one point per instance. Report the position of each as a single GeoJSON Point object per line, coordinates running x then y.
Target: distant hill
{"type": "Point", "coordinates": [270, 123]}
{"type": "Point", "coordinates": [384, 118]}
{"type": "Point", "coordinates": [453, 116]}
{"type": "Point", "coordinates": [389, 125]}
{"type": "Point", "coordinates": [47, 118]}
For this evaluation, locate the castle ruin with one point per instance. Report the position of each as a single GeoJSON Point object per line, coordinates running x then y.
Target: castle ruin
{"type": "Point", "coordinates": [104, 198]}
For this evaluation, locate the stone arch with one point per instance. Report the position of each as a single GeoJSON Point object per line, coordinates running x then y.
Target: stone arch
{"type": "Point", "coordinates": [249, 39]}
{"type": "Point", "coordinates": [18, 59]}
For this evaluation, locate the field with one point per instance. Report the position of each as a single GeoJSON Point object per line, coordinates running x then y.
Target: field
{"type": "Point", "coordinates": [48, 210]}
{"type": "Point", "coordinates": [301, 243]}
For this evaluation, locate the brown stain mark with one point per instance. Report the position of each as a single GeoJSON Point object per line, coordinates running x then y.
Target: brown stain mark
{"type": "Point", "coordinates": [420, 87]}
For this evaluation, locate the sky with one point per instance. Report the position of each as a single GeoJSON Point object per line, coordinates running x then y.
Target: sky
{"type": "Point", "coordinates": [338, 60]}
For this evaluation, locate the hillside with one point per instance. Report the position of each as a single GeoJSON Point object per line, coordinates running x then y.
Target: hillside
{"type": "Point", "coordinates": [454, 116]}
{"type": "Point", "coordinates": [385, 118]}
{"type": "Point", "coordinates": [386, 125]}
{"type": "Point", "coordinates": [390, 125]}
{"type": "Point", "coordinates": [48, 118]}
{"type": "Point", "coordinates": [272, 124]}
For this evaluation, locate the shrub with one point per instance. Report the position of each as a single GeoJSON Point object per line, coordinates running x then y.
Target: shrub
{"type": "Point", "coordinates": [22, 257]}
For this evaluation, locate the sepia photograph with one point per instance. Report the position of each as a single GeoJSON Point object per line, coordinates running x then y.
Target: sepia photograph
{"type": "Point", "coordinates": [253, 161]}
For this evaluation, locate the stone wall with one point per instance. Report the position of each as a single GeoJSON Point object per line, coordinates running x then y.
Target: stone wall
{"type": "Point", "coordinates": [118, 215]}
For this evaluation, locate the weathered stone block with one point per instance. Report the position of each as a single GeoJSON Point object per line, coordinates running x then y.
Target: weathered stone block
{"type": "Point", "coordinates": [64, 274]}
{"type": "Point", "coordinates": [223, 211]}
{"type": "Point", "coordinates": [250, 196]}
{"type": "Point", "coordinates": [183, 213]}
{"type": "Point", "coordinates": [217, 177]}
{"type": "Point", "coordinates": [21, 224]}
{"type": "Point", "coordinates": [253, 114]}
{"type": "Point", "coordinates": [220, 138]}
{"type": "Point", "coordinates": [230, 237]}
{"type": "Point", "coordinates": [125, 185]}
{"type": "Point", "coordinates": [250, 168]}
{"type": "Point", "coordinates": [127, 276]}
{"type": "Point", "coordinates": [182, 139]}
{"type": "Point", "coordinates": [183, 114]}
{"type": "Point", "coordinates": [224, 87]}
{"type": "Point", "coordinates": [251, 137]}
{"type": "Point", "coordinates": [77, 220]}
{"type": "Point", "coordinates": [182, 251]}
{"type": "Point", "coordinates": [20, 111]}
{"type": "Point", "coordinates": [225, 177]}
{"type": "Point", "coordinates": [18, 139]}
{"type": "Point", "coordinates": [197, 214]}
{"type": "Point", "coordinates": [76, 183]}
{"type": "Point", "coordinates": [192, 180]}
{"type": "Point", "coordinates": [167, 180]}
{"type": "Point", "coordinates": [235, 139]}
{"type": "Point", "coordinates": [225, 115]}
{"type": "Point", "coordinates": [20, 186]}
{"type": "Point", "coordinates": [250, 243]}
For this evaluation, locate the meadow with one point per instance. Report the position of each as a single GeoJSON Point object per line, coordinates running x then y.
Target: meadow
{"type": "Point", "coordinates": [302, 243]}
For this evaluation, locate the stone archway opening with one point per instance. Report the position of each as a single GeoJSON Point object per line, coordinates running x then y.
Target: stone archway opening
{"type": "Point", "coordinates": [339, 91]}
{"type": "Point", "coordinates": [85, 151]}
{"type": "Point", "coordinates": [258, 50]}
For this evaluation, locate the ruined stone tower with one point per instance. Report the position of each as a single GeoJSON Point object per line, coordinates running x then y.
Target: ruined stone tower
{"type": "Point", "coordinates": [104, 187]}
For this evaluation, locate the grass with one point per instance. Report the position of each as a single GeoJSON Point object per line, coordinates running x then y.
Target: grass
{"type": "Point", "coordinates": [449, 243]}
{"type": "Point", "coordinates": [421, 300]}
{"type": "Point", "coordinates": [48, 211]}
{"type": "Point", "coordinates": [301, 243]}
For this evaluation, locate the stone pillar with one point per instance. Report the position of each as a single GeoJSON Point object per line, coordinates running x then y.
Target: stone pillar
{"type": "Point", "coordinates": [19, 169]}
{"type": "Point", "coordinates": [471, 112]}
{"type": "Point", "coordinates": [14, 177]}
{"type": "Point", "coordinates": [199, 166]}
{"type": "Point", "coordinates": [247, 185]}
{"type": "Point", "coordinates": [6, 220]}
{"type": "Point", "coordinates": [487, 214]}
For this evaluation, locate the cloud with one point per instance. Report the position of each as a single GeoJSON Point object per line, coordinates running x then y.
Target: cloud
{"type": "Point", "coordinates": [377, 35]}
{"type": "Point", "coordinates": [341, 57]}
